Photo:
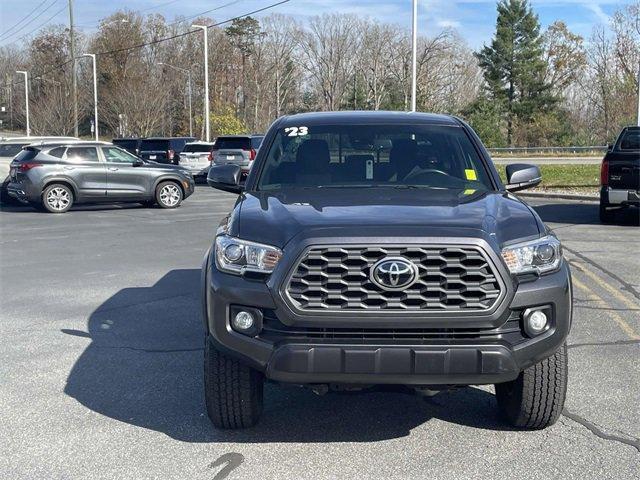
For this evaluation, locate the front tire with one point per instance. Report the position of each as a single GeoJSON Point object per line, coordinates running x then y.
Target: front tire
{"type": "Point", "coordinates": [233, 391]}
{"type": "Point", "coordinates": [57, 198]}
{"type": "Point", "coordinates": [535, 399]}
{"type": "Point", "coordinates": [169, 195]}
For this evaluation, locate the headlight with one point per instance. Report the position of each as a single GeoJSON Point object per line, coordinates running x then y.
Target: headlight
{"type": "Point", "coordinates": [537, 256]}
{"type": "Point", "coordinates": [236, 256]}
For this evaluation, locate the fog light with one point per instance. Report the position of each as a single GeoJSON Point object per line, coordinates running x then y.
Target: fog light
{"type": "Point", "coordinates": [243, 321]}
{"type": "Point", "coordinates": [535, 322]}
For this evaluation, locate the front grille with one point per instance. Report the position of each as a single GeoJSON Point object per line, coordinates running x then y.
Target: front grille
{"type": "Point", "coordinates": [450, 278]}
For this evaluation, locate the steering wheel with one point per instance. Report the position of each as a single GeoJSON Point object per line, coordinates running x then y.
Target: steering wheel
{"type": "Point", "coordinates": [425, 173]}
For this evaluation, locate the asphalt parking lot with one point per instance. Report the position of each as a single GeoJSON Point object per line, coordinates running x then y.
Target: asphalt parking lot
{"type": "Point", "coordinates": [101, 367]}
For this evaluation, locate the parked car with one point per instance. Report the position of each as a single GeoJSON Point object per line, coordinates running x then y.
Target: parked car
{"type": "Point", "coordinates": [197, 157]}
{"type": "Point", "coordinates": [163, 149]}
{"type": "Point", "coordinates": [372, 248]}
{"type": "Point", "coordinates": [237, 150]}
{"type": "Point", "coordinates": [131, 145]}
{"type": "Point", "coordinates": [11, 147]}
{"type": "Point", "coordinates": [620, 174]}
{"type": "Point", "coordinates": [55, 176]}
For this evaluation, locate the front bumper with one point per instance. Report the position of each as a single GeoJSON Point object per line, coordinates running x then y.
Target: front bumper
{"type": "Point", "coordinates": [189, 186]}
{"type": "Point", "coordinates": [452, 356]}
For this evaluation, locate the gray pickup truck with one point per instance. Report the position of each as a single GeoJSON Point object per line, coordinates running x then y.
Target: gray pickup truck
{"type": "Point", "coordinates": [382, 248]}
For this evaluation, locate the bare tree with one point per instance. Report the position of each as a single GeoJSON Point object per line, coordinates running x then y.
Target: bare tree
{"type": "Point", "coordinates": [326, 51]}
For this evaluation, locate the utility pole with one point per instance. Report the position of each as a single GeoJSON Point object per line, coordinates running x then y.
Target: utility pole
{"type": "Point", "coordinates": [206, 79]}
{"type": "Point", "coordinates": [26, 98]}
{"type": "Point", "coordinates": [414, 55]}
{"type": "Point", "coordinates": [95, 93]}
{"type": "Point", "coordinates": [74, 80]}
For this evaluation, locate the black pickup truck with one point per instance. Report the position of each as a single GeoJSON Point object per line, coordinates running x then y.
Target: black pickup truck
{"type": "Point", "coordinates": [620, 174]}
{"type": "Point", "coordinates": [382, 248]}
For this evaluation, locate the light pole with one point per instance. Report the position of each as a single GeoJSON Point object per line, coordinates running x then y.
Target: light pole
{"type": "Point", "coordinates": [95, 93]}
{"type": "Point", "coordinates": [206, 79]}
{"type": "Point", "coordinates": [414, 54]}
{"type": "Point", "coordinates": [188, 72]}
{"type": "Point", "coordinates": [74, 79]}
{"type": "Point", "coordinates": [26, 97]}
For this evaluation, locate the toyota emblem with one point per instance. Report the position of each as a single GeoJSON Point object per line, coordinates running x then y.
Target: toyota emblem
{"type": "Point", "coordinates": [394, 273]}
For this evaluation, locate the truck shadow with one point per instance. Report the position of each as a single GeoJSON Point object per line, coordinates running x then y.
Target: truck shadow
{"type": "Point", "coordinates": [143, 367]}
{"type": "Point", "coordinates": [584, 214]}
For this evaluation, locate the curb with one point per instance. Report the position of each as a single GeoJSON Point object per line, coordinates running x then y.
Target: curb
{"type": "Point", "coordinates": [560, 196]}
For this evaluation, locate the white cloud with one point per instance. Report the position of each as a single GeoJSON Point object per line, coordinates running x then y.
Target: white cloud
{"type": "Point", "coordinates": [596, 9]}
{"type": "Point", "coordinates": [444, 23]}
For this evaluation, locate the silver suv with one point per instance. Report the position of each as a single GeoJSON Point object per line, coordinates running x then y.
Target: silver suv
{"type": "Point", "coordinates": [55, 176]}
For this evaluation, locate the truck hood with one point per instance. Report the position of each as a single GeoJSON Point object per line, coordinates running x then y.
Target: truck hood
{"type": "Point", "coordinates": [276, 217]}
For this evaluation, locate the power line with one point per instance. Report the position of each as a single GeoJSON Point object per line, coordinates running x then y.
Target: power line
{"type": "Point", "coordinates": [23, 19]}
{"type": "Point", "coordinates": [190, 32]}
{"type": "Point", "coordinates": [154, 42]}
{"type": "Point", "coordinates": [64, 7]}
{"type": "Point", "coordinates": [4, 36]}
{"type": "Point", "coordinates": [204, 13]}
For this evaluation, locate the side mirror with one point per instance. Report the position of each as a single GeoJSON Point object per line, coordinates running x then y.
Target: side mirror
{"type": "Point", "coordinates": [521, 176]}
{"type": "Point", "coordinates": [609, 147]}
{"type": "Point", "coordinates": [138, 163]}
{"type": "Point", "coordinates": [226, 178]}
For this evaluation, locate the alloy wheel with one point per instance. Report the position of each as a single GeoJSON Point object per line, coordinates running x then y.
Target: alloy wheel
{"type": "Point", "coordinates": [170, 195]}
{"type": "Point", "coordinates": [58, 199]}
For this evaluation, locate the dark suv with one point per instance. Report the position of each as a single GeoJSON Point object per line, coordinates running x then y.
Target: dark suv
{"type": "Point", "coordinates": [163, 149]}
{"type": "Point", "coordinates": [55, 176]}
{"type": "Point", "coordinates": [371, 248]}
{"type": "Point", "coordinates": [620, 174]}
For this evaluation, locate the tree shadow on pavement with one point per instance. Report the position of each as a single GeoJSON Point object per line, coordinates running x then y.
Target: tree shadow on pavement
{"type": "Point", "coordinates": [144, 367]}
{"type": "Point", "coordinates": [584, 214]}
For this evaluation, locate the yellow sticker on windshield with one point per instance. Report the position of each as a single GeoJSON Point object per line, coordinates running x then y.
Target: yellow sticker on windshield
{"type": "Point", "coordinates": [470, 174]}
{"type": "Point", "coordinates": [469, 191]}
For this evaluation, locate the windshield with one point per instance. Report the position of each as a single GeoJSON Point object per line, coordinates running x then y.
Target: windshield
{"type": "Point", "coordinates": [154, 145]}
{"type": "Point", "coordinates": [127, 144]}
{"type": "Point", "coordinates": [630, 140]}
{"type": "Point", "coordinates": [233, 143]}
{"type": "Point", "coordinates": [428, 156]}
{"type": "Point", "coordinates": [197, 147]}
{"type": "Point", "coordinates": [11, 149]}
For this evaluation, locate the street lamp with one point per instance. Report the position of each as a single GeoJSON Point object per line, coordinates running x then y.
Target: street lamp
{"type": "Point", "coordinates": [206, 79]}
{"type": "Point", "coordinates": [188, 72]}
{"type": "Point", "coordinates": [414, 54]}
{"type": "Point", "coordinates": [95, 92]}
{"type": "Point", "coordinates": [26, 97]}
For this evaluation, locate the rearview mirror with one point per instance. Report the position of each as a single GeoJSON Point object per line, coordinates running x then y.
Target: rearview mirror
{"type": "Point", "coordinates": [138, 163]}
{"type": "Point", "coordinates": [521, 176]}
{"type": "Point", "coordinates": [226, 178]}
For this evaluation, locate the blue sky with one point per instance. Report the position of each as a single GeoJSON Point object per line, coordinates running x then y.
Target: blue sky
{"type": "Point", "coordinates": [473, 19]}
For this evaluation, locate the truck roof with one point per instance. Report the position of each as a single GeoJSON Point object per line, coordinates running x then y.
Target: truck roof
{"type": "Point", "coordinates": [368, 117]}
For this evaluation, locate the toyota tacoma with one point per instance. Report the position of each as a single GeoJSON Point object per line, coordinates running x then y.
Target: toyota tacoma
{"type": "Point", "coordinates": [382, 248]}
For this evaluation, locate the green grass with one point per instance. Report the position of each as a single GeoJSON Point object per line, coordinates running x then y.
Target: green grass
{"type": "Point", "coordinates": [586, 153]}
{"type": "Point", "coordinates": [569, 178]}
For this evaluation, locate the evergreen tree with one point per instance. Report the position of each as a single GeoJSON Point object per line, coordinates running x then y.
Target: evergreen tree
{"type": "Point", "coordinates": [514, 66]}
